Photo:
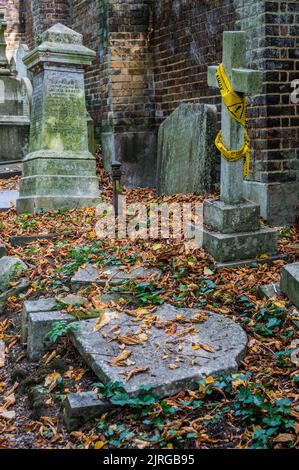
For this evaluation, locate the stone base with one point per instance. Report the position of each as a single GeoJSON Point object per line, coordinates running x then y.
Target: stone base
{"type": "Point", "coordinates": [278, 201]}
{"type": "Point", "coordinates": [240, 246]}
{"type": "Point", "coordinates": [54, 180]}
{"type": "Point", "coordinates": [289, 282]}
{"type": "Point", "coordinates": [227, 218]}
{"type": "Point", "coordinates": [137, 151]}
{"type": "Point", "coordinates": [248, 262]}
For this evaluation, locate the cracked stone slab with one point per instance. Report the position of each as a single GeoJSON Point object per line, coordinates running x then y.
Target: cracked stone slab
{"type": "Point", "coordinates": [11, 268]}
{"type": "Point", "coordinates": [173, 362]}
{"type": "Point", "coordinates": [115, 275]}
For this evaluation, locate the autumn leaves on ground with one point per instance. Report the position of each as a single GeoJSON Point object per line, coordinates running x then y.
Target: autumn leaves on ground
{"type": "Point", "coordinates": [258, 407]}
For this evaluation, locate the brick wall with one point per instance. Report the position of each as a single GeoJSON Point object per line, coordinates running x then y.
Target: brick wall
{"type": "Point", "coordinates": [42, 14]}
{"type": "Point", "coordinates": [13, 35]}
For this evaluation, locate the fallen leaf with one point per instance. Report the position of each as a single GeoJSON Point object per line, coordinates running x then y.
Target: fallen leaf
{"type": "Point", "coordinates": [51, 380]}
{"type": "Point", "coordinates": [131, 373]}
{"type": "Point", "coordinates": [205, 347]}
{"type": "Point", "coordinates": [120, 360]}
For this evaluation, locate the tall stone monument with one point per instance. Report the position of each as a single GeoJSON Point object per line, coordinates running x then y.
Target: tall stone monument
{"type": "Point", "coordinates": [59, 172]}
{"type": "Point", "coordinates": [14, 107]}
{"type": "Point", "coordinates": [232, 227]}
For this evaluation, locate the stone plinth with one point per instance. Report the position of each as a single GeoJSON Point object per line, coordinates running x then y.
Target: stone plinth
{"type": "Point", "coordinates": [186, 150]}
{"type": "Point", "coordinates": [59, 172]}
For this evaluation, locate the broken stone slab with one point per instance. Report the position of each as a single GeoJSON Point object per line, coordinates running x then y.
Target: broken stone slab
{"type": "Point", "coordinates": [39, 326]}
{"type": "Point", "coordinates": [26, 239]}
{"type": "Point", "coordinates": [83, 407]}
{"type": "Point", "coordinates": [11, 268]}
{"type": "Point", "coordinates": [32, 306]}
{"type": "Point", "coordinates": [269, 291]}
{"type": "Point", "coordinates": [72, 300]}
{"type": "Point", "coordinates": [168, 363]}
{"type": "Point", "coordinates": [21, 286]}
{"type": "Point", "coordinates": [114, 275]}
{"type": "Point", "coordinates": [289, 282]}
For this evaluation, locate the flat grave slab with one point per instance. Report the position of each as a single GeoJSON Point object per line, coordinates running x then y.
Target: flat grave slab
{"type": "Point", "coordinates": [115, 275]}
{"type": "Point", "coordinates": [170, 350]}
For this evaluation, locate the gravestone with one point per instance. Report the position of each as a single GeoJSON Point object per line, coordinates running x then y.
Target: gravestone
{"type": "Point", "coordinates": [21, 68]}
{"type": "Point", "coordinates": [155, 354]}
{"type": "Point", "coordinates": [186, 150]}
{"type": "Point", "coordinates": [59, 172]}
{"type": "Point", "coordinates": [232, 228]}
{"type": "Point", "coordinates": [14, 108]}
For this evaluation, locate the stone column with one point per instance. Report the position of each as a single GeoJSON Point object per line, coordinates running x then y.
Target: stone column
{"type": "Point", "coordinates": [59, 172]}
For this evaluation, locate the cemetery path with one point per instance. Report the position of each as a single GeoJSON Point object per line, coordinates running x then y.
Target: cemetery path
{"type": "Point", "coordinates": [258, 407]}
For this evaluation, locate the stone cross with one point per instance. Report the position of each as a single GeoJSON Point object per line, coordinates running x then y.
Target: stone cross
{"type": "Point", "coordinates": [243, 81]}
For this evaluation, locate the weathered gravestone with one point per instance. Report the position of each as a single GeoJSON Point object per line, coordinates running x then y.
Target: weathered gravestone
{"type": "Point", "coordinates": [147, 350]}
{"type": "Point", "coordinates": [14, 108]}
{"type": "Point", "coordinates": [232, 228]}
{"type": "Point", "coordinates": [21, 68]}
{"type": "Point", "coordinates": [59, 172]}
{"type": "Point", "coordinates": [186, 150]}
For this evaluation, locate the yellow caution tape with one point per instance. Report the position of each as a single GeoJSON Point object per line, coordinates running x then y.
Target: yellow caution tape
{"type": "Point", "coordinates": [237, 108]}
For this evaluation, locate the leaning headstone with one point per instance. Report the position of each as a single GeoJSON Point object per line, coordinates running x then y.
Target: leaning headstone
{"type": "Point", "coordinates": [14, 107]}
{"type": "Point", "coordinates": [169, 351]}
{"type": "Point", "coordinates": [232, 228]}
{"type": "Point", "coordinates": [186, 150]}
{"type": "Point", "coordinates": [59, 172]}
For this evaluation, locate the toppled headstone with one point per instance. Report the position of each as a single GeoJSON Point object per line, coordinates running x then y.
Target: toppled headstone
{"type": "Point", "coordinates": [186, 150]}
{"type": "Point", "coordinates": [115, 275]}
{"type": "Point", "coordinates": [169, 351]}
{"type": "Point", "coordinates": [11, 268]}
{"type": "Point", "coordinates": [83, 407]}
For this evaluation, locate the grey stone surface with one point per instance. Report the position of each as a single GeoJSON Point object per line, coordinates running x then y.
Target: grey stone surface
{"type": "Point", "coordinates": [186, 150]}
{"type": "Point", "coordinates": [278, 201]}
{"type": "Point", "coordinates": [171, 362]}
{"type": "Point", "coordinates": [14, 107]}
{"type": "Point", "coordinates": [240, 246]}
{"type": "Point", "coordinates": [82, 407]}
{"type": "Point", "coordinates": [39, 326]}
{"type": "Point", "coordinates": [21, 286]}
{"type": "Point", "coordinates": [245, 81]}
{"type": "Point", "coordinates": [269, 291]}
{"type": "Point", "coordinates": [33, 306]}
{"type": "Point", "coordinates": [10, 169]}
{"type": "Point", "coordinates": [7, 197]}
{"type": "Point", "coordinates": [248, 262]}
{"type": "Point", "coordinates": [11, 268]}
{"type": "Point", "coordinates": [289, 282]}
{"type": "Point", "coordinates": [228, 218]}
{"type": "Point", "coordinates": [26, 239]}
{"type": "Point", "coordinates": [59, 172]}
{"type": "Point", "coordinates": [116, 275]}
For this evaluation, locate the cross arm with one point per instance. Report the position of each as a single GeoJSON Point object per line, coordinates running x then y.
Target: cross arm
{"type": "Point", "coordinates": [247, 81]}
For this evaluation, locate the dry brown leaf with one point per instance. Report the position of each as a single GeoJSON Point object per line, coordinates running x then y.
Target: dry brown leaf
{"type": "Point", "coordinates": [203, 346]}
{"type": "Point", "coordinates": [120, 360]}
{"type": "Point", "coordinates": [133, 372]}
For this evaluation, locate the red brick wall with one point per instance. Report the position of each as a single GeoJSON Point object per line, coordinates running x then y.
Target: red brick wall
{"type": "Point", "coordinates": [13, 37]}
